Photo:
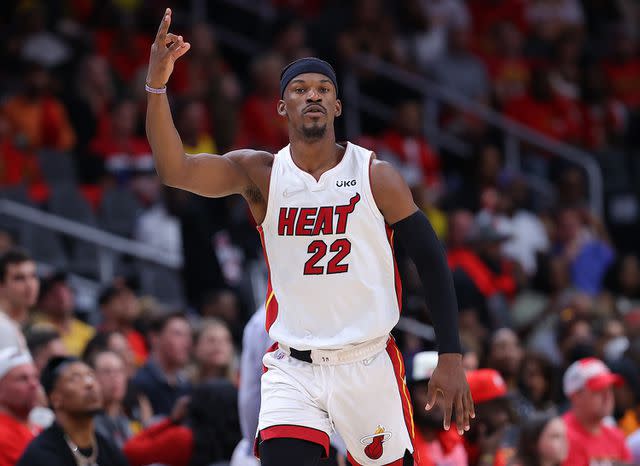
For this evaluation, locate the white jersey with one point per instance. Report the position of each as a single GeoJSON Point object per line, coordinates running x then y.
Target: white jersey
{"type": "Point", "coordinates": [333, 280]}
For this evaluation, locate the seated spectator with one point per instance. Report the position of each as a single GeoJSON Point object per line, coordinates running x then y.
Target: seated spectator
{"type": "Point", "coordinates": [537, 382]}
{"type": "Point", "coordinates": [75, 396]}
{"type": "Point", "coordinates": [17, 164]}
{"type": "Point", "coordinates": [259, 127]}
{"type": "Point", "coordinates": [125, 47]}
{"type": "Point", "coordinates": [492, 437]}
{"type": "Point", "coordinates": [622, 68]}
{"type": "Point", "coordinates": [123, 152]}
{"type": "Point", "coordinates": [19, 285]}
{"type": "Point", "coordinates": [406, 143]}
{"type": "Point", "coordinates": [193, 124]}
{"type": "Point", "coordinates": [44, 344]}
{"type": "Point", "coordinates": [584, 249]}
{"type": "Point", "coordinates": [543, 442]}
{"type": "Point", "coordinates": [200, 431]}
{"type": "Point", "coordinates": [56, 306]}
{"type": "Point", "coordinates": [120, 308]}
{"type": "Point", "coordinates": [488, 14]}
{"type": "Point", "coordinates": [18, 396]}
{"type": "Point", "coordinates": [38, 119]}
{"type": "Point", "coordinates": [162, 379]}
{"type": "Point", "coordinates": [588, 385]}
{"type": "Point", "coordinates": [111, 375]}
{"type": "Point", "coordinates": [158, 225]}
{"type": "Point", "coordinates": [549, 19]}
{"type": "Point", "coordinates": [433, 445]}
{"type": "Point", "coordinates": [214, 353]}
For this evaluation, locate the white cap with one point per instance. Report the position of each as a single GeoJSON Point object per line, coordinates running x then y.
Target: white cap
{"type": "Point", "coordinates": [12, 356]}
{"type": "Point", "coordinates": [588, 373]}
{"type": "Point", "coordinates": [424, 364]}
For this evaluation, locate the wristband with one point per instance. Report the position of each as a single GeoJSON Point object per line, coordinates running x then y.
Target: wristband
{"type": "Point", "coordinates": [155, 90]}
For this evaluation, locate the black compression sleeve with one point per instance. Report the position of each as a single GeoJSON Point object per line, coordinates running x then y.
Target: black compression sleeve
{"type": "Point", "coordinates": [417, 237]}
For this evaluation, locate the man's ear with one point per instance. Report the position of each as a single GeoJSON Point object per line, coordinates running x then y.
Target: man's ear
{"type": "Point", "coordinates": [55, 400]}
{"type": "Point", "coordinates": [338, 108]}
{"type": "Point", "coordinates": [282, 108]}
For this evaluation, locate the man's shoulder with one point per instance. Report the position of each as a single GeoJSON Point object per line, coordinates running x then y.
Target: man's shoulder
{"type": "Point", "coordinates": [40, 448]}
{"type": "Point", "coordinates": [251, 157]}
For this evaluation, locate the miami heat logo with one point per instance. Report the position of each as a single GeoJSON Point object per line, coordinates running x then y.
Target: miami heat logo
{"type": "Point", "coordinates": [374, 443]}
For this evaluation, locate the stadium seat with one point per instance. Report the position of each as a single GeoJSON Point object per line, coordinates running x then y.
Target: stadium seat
{"type": "Point", "coordinates": [57, 167]}
{"type": "Point", "coordinates": [119, 210]}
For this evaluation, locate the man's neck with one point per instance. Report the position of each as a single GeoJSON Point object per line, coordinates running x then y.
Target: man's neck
{"type": "Point", "coordinates": [20, 417]}
{"type": "Point", "coordinates": [169, 370]}
{"type": "Point", "coordinates": [62, 322]}
{"type": "Point", "coordinates": [113, 408]}
{"type": "Point", "coordinates": [316, 157]}
{"type": "Point", "coordinates": [80, 430]}
{"type": "Point", "coordinates": [590, 425]}
{"type": "Point", "coordinates": [114, 325]}
{"type": "Point", "coordinates": [18, 315]}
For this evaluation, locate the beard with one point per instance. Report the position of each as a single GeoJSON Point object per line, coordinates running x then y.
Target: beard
{"type": "Point", "coordinates": [315, 132]}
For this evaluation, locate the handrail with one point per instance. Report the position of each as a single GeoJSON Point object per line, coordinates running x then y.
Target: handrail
{"type": "Point", "coordinates": [524, 133]}
{"type": "Point", "coordinates": [90, 234]}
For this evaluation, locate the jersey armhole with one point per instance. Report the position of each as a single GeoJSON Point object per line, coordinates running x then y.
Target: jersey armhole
{"type": "Point", "coordinates": [273, 178]}
{"type": "Point", "coordinates": [366, 186]}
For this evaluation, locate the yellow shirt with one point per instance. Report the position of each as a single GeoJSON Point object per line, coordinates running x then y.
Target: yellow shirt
{"type": "Point", "coordinates": [206, 145]}
{"type": "Point", "coordinates": [75, 338]}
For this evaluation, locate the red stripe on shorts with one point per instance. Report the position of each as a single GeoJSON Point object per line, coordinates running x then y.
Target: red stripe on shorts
{"type": "Point", "coordinates": [398, 462]}
{"type": "Point", "coordinates": [398, 368]}
{"type": "Point", "coordinates": [290, 431]}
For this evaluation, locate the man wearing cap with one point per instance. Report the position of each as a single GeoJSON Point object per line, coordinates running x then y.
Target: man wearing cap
{"type": "Point", "coordinates": [56, 306]}
{"type": "Point", "coordinates": [588, 385]}
{"type": "Point", "coordinates": [19, 387]}
{"type": "Point", "coordinates": [75, 397]}
{"type": "Point", "coordinates": [493, 437]}
{"type": "Point", "coordinates": [327, 215]}
{"type": "Point", "coordinates": [434, 445]}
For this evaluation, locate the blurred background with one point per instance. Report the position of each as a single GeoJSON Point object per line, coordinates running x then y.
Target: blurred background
{"type": "Point", "coordinates": [515, 123]}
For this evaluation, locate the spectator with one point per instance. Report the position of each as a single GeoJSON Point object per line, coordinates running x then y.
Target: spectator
{"type": "Point", "coordinates": [111, 375]}
{"type": "Point", "coordinates": [111, 340]}
{"type": "Point", "coordinates": [224, 304]}
{"type": "Point", "coordinates": [214, 353]}
{"type": "Point", "coordinates": [433, 444]}
{"type": "Point", "coordinates": [122, 151]}
{"type": "Point", "coordinates": [120, 308]}
{"type": "Point", "coordinates": [193, 124]}
{"type": "Point", "coordinates": [492, 437]}
{"type": "Point", "coordinates": [622, 68]}
{"type": "Point", "coordinates": [587, 383]}
{"type": "Point", "coordinates": [75, 397]}
{"type": "Point", "coordinates": [259, 128]}
{"type": "Point", "coordinates": [38, 119]}
{"type": "Point", "coordinates": [19, 285]}
{"type": "Point", "coordinates": [543, 442]}
{"type": "Point", "coordinates": [199, 432]}
{"type": "Point", "coordinates": [549, 19]}
{"type": "Point", "coordinates": [406, 143]}
{"type": "Point", "coordinates": [537, 382]}
{"type": "Point", "coordinates": [17, 164]}
{"type": "Point", "coordinates": [56, 307]}
{"type": "Point", "coordinates": [162, 379]}
{"type": "Point", "coordinates": [159, 227]}
{"type": "Point", "coordinates": [583, 249]}
{"type": "Point", "coordinates": [18, 396]}
{"type": "Point", "coordinates": [44, 344]}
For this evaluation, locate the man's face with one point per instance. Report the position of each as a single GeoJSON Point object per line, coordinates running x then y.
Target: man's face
{"type": "Point", "coordinates": [112, 376]}
{"type": "Point", "coordinates": [175, 341]}
{"type": "Point", "coordinates": [77, 391]}
{"type": "Point", "coordinates": [506, 352]}
{"type": "Point", "coordinates": [123, 307]}
{"type": "Point", "coordinates": [594, 405]}
{"type": "Point", "coordinates": [52, 349]}
{"type": "Point", "coordinates": [19, 389]}
{"type": "Point", "coordinates": [21, 285]}
{"type": "Point", "coordinates": [311, 105]}
{"type": "Point", "coordinates": [59, 301]}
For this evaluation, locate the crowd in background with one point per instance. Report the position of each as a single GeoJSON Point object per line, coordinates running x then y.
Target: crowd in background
{"type": "Point", "coordinates": [541, 285]}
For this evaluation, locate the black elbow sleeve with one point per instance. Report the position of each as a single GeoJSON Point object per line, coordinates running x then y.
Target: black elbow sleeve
{"type": "Point", "coordinates": [417, 237]}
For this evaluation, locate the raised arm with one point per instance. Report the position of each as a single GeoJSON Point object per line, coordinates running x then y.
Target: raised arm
{"type": "Point", "coordinates": [414, 232]}
{"type": "Point", "coordinates": [205, 174]}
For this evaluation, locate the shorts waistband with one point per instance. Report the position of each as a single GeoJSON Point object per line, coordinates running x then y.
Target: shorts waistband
{"type": "Point", "coordinates": [338, 356]}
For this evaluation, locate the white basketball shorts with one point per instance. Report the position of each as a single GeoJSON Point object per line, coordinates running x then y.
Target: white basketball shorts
{"type": "Point", "coordinates": [366, 401]}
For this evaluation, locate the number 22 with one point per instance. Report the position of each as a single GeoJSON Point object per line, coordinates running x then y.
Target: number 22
{"type": "Point", "coordinates": [342, 248]}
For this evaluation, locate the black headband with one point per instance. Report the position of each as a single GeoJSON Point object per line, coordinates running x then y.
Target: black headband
{"type": "Point", "coordinates": [306, 65]}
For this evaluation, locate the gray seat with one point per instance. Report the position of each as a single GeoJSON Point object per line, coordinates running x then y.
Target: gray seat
{"type": "Point", "coordinates": [17, 194]}
{"type": "Point", "coordinates": [67, 201]}
{"type": "Point", "coordinates": [44, 245]}
{"type": "Point", "coordinates": [162, 283]}
{"type": "Point", "coordinates": [57, 167]}
{"type": "Point", "coordinates": [119, 210]}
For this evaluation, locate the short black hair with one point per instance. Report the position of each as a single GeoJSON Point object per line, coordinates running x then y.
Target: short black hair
{"type": "Point", "coordinates": [158, 323]}
{"type": "Point", "coordinates": [39, 337]}
{"type": "Point", "coordinates": [53, 370]}
{"type": "Point", "coordinates": [98, 344]}
{"type": "Point", "coordinates": [11, 257]}
{"type": "Point", "coordinates": [108, 294]}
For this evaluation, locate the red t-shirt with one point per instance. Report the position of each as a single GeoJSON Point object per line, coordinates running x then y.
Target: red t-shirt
{"type": "Point", "coordinates": [586, 449]}
{"type": "Point", "coordinates": [14, 438]}
{"type": "Point", "coordinates": [163, 442]}
{"type": "Point", "coordinates": [624, 79]}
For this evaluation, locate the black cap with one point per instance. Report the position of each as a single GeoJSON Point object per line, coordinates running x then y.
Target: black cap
{"type": "Point", "coordinates": [53, 370]}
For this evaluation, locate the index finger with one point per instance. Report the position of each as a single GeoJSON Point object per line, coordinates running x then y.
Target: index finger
{"type": "Point", "coordinates": [164, 26]}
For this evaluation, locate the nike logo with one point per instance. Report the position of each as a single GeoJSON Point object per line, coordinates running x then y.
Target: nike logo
{"type": "Point", "coordinates": [288, 192]}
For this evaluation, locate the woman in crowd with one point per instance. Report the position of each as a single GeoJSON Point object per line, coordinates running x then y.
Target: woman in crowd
{"type": "Point", "coordinates": [543, 442]}
{"type": "Point", "coordinates": [214, 353]}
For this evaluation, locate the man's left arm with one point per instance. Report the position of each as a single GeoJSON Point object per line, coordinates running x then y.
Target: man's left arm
{"type": "Point", "coordinates": [414, 232]}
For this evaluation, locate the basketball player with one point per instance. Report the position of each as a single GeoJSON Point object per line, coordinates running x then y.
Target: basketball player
{"type": "Point", "coordinates": [327, 216]}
